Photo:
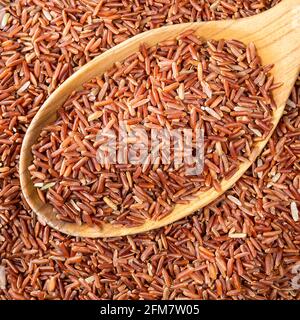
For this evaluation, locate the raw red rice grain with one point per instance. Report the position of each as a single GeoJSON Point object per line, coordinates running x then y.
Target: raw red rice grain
{"type": "Point", "coordinates": [151, 103]}
{"type": "Point", "coordinates": [261, 212]}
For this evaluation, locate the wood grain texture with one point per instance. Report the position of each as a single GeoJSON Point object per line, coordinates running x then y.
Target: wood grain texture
{"type": "Point", "coordinates": [276, 34]}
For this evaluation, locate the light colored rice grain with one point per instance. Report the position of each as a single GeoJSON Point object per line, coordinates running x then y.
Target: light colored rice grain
{"type": "Point", "coordinates": [2, 278]}
{"type": "Point", "coordinates": [237, 235]}
{"type": "Point", "coordinates": [110, 203]}
{"type": "Point", "coordinates": [234, 200]}
{"type": "Point", "coordinates": [294, 211]}
{"type": "Point", "coordinates": [4, 20]}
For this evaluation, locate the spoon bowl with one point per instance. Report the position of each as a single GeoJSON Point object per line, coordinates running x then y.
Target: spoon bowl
{"type": "Point", "coordinates": [276, 35]}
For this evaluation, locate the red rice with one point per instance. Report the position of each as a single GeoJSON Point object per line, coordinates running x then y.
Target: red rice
{"type": "Point", "coordinates": [63, 161]}
{"type": "Point", "coordinates": [176, 247]}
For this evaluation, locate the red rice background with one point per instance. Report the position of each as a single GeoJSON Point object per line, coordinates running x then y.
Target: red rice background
{"type": "Point", "coordinates": [227, 250]}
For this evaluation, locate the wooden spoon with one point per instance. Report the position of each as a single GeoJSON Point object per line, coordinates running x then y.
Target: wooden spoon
{"type": "Point", "coordinates": [276, 34]}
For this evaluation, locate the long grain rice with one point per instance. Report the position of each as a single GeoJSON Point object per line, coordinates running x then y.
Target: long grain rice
{"type": "Point", "coordinates": [176, 247]}
{"type": "Point", "coordinates": [132, 94]}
